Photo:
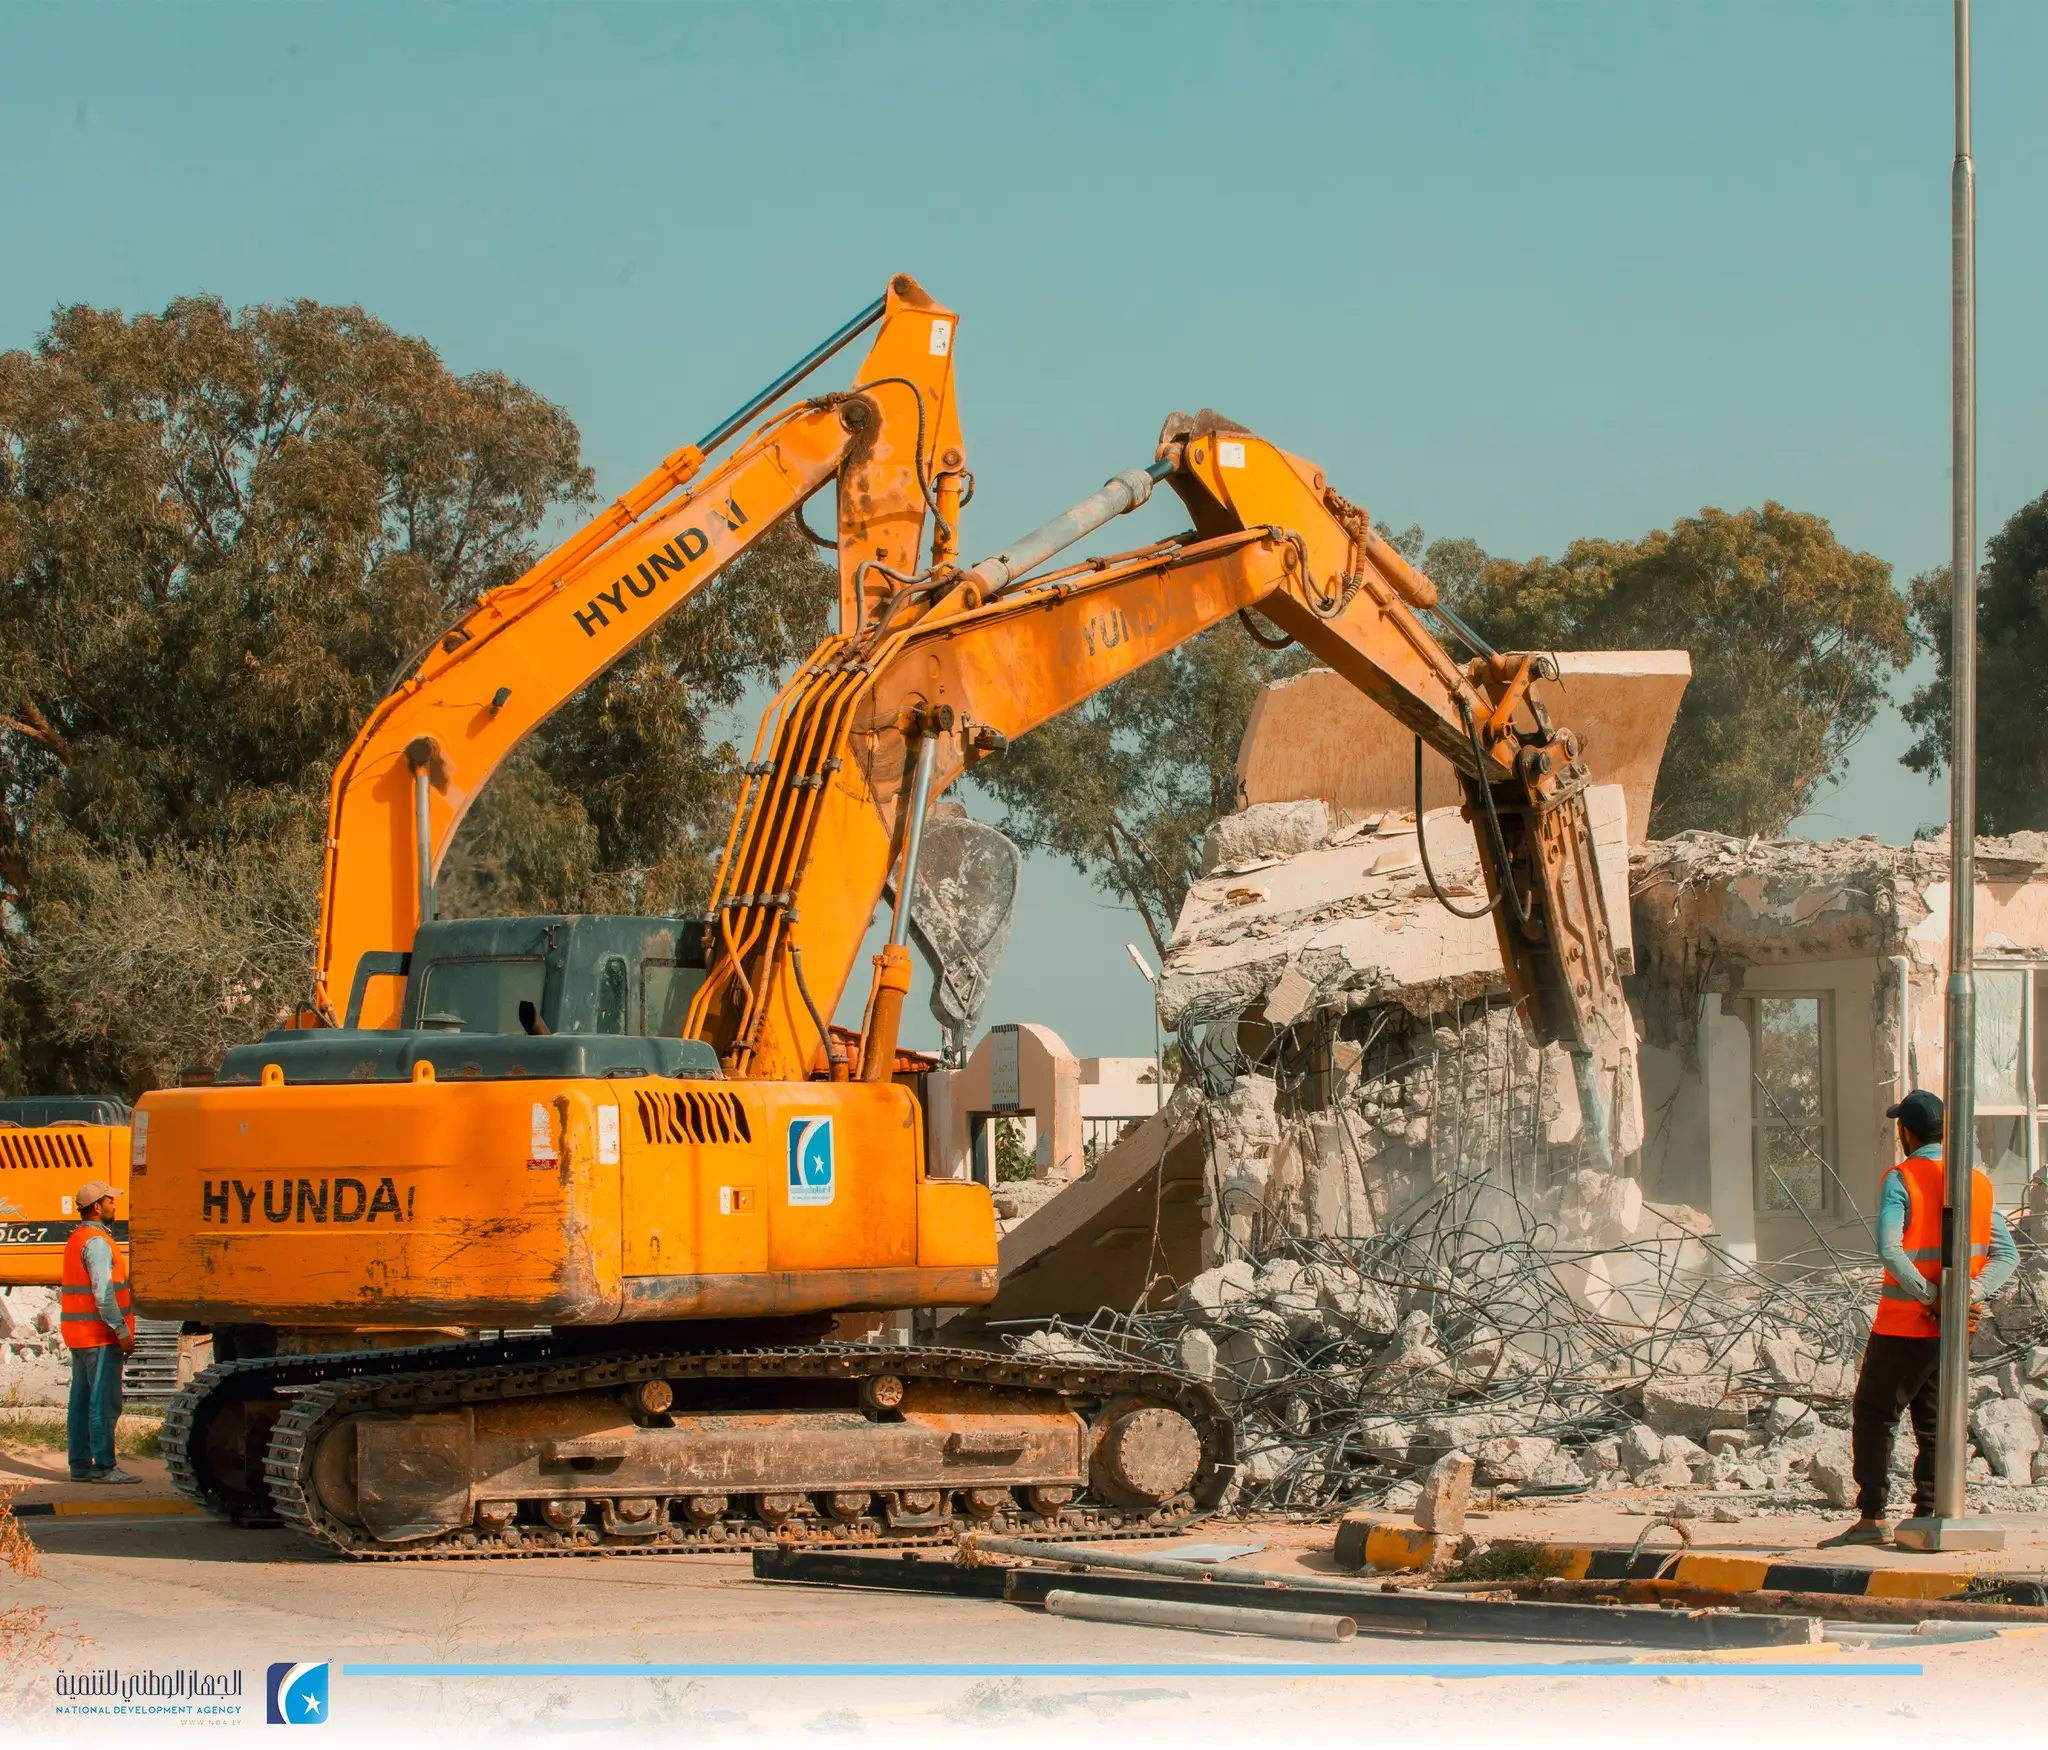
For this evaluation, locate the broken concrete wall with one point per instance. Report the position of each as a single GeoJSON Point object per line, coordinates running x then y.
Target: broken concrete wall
{"type": "Point", "coordinates": [1725, 925]}
{"type": "Point", "coordinates": [1316, 736]}
{"type": "Point", "coordinates": [1372, 1216]}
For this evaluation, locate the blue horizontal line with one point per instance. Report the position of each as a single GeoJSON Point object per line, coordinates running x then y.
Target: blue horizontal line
{"type": "Point", "coordinates": [1286, 1668]}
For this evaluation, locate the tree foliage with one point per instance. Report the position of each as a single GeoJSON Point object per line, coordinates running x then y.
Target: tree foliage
{"type": "Point", "coordinates": [1792, 636]}
{"type": "Point", "coordinates": [2012, 674]}
{"type": "Point", "coordinates": [221, 534]}
{"type": "Point", "coordinates": [151, 963]}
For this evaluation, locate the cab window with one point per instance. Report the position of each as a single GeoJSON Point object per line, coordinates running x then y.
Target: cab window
{"type": "Point", "coordinates": [611, 995]}
{"type": "Point", "coordinates": [665, 993]}
{"type": "Point", "coordinates": [480, 996]}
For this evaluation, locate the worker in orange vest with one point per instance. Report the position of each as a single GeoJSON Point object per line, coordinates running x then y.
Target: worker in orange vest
{"type": "Point", "coordinates": [1902, 1359]}
{"type": "Point", "coordinates": [99, 1330]}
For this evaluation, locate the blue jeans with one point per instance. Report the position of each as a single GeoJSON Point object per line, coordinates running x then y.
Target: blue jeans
{"type": "Point", "coordinates": [95, 1405]}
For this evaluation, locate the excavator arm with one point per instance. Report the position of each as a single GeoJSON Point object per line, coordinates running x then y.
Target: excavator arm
{"type": "Point", "coordinates": [949, 673]}
{"type": "Point", "coordinates": [892, 443]}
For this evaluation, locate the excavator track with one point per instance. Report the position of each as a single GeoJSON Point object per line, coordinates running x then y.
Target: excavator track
{"type": "Point", "coordinates": [313, 1396]}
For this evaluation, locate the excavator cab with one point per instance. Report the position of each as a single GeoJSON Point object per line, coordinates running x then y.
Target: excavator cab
{"type": "Point", "coordinates": [499, 998]}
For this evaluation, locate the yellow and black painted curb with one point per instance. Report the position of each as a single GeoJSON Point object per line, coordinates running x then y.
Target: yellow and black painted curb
{"type": "Point", "coordinates": [1364, 1542]}
{"type": "Point", "coordinates": [99, 1509]}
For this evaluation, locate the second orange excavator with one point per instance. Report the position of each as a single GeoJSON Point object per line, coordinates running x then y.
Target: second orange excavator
{"type": "Point", "coordinates": [513, 1138]}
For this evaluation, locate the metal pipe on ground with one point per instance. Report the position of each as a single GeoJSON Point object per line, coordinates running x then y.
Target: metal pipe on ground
{"type": "Point", "coordinates": [1220, 1619]}
{"type": "Point", "coordinates": [1426, 1615]}
{"type": "Point", "coordinates": [976, 1544]}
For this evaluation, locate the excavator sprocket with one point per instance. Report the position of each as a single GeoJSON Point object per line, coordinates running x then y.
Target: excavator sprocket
{"type": "Point", "coordinates": [529, 1447]}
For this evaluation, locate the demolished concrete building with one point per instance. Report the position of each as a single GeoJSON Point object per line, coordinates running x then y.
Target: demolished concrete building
{"type": "Point", "coordinates": [1371, 1212]}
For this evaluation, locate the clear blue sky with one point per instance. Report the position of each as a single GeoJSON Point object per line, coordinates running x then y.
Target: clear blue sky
{"type": "Point", "coordinates": [1521, 272]}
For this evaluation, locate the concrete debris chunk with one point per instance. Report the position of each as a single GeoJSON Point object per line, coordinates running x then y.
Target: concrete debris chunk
{"type": "Point", "coordinates": [1787, 1416]}
{"type": "Point", "coordinates": [1692, 1407]}
{"type": "Point", "coordinates": [1198, 1354]}
{"type": "Point", "coordinates": [1641, 1447]}
{"type": "Point", "coordinates": [1830, 1472]}
{"type": "Point", "coordinates": [1446, 1491]}
{"type": "Point", "coordinates": [1512, 1458]}
{"type": "Point", "coordinates": [1795, 1367]}
{"type": "Point", "coordinates": [2008, 1434]}
{"type": "Point", "coordinates": [1360, 1306]}
{"type": "Point", "coordinates": [1677, 1449]}
{"type": "Point", "coordinates": [1060, 1346]}
{"type": "Point", "coordinates": [1462, 1430]}
{"type": "Point", "coordinates": [1561, 1470]}
{"type": "Point", "coordinates": [1214, 1290]}
{"type": "Point", "coordinates": [1414, 1369]}
{"type": "Point", "coordinates": [1266, 829]}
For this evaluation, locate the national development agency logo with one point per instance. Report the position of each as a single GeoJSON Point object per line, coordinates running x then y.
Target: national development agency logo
{"type": "Point", "coordinates": [810, 1160]}
{"type": "Point", "coordinates": [296, 1695]}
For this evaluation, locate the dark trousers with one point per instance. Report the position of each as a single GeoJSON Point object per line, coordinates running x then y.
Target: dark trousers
{"type": "Point", "coordinates": [1899, 1374]}
{"type": "Point", "coordinates": [95, 1407]}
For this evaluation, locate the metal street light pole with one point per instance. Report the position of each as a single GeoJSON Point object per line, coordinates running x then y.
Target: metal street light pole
{"type": "Point", "coordinates": [1947, 1528]}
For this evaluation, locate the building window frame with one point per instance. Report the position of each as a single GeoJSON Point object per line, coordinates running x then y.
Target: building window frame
{"type": "Point", "coordinates": [1994, 1112]}
{"type": "Point", "coordinates": [1765, 1118]}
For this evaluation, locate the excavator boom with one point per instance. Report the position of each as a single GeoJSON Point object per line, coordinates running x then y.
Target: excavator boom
{"type": "Point", "coordinates": [402, 789]}
{"type": "Point", "coordinates": [879, 722]}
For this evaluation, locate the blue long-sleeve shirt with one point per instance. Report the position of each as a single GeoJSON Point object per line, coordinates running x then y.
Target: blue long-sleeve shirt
{"type": "Point", "coordinates": [1892, 1205]}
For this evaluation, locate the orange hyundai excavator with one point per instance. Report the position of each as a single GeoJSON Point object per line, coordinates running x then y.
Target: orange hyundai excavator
{"type": "Point", "coordinates": [686, 1214]}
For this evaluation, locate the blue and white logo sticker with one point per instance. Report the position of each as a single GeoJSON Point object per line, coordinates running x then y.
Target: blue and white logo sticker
{"type": "Point", "coordinates": [296, 1695]}
{"type": "Point", "coordinates": [810, 1161]}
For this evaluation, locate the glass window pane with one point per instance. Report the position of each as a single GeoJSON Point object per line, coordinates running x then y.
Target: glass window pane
{"type": "Point", "coordinates": [480, 996]}
{"type": "Point", "coordinates": [2000, 1075]}
{"type": "Point", "coordinates": [611, 995]}
{"type": "Point", "coordinates": [665, 993]}
{"type": "Point", "coordinates": [2002, 1152]}
{"type": "Point", "coordinates": [1792, 1168]}
{"type": "Point", "coordinates": [1788, 1059]}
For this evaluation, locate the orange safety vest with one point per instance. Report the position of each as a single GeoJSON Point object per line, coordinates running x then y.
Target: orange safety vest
{"type": "Point", "coordinates": [83, 1326]}
{"type": "Point", "coordinates": [1898, 1313]}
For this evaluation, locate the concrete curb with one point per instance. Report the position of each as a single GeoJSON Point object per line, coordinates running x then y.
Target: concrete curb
{"type": "Point", "coordinates": [98, 1509]}
{"type": "Point", "coordinates": [1363, 1542]}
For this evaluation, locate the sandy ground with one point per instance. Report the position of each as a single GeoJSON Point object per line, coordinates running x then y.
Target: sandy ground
{"type": "Point", "coordinates": [132, 1594]}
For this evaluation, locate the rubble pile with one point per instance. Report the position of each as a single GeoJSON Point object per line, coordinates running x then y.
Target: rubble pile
{"type": "Point", "coordinates": [1577, 1340]}
{"type": "Point", "coordinates": [34, 1368]}
{"type": "Point", "coordinates": [1412, 1244]}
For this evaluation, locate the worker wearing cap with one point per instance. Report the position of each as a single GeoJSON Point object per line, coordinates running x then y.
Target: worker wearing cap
{"type": "Point", "coordinates": [99, 1330]}
{"type": "Point", "coordinates": [1901, 1361]}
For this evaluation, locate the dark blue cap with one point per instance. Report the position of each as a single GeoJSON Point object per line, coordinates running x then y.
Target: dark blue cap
{"type": "Point", "coordinates": [1920, 1112]}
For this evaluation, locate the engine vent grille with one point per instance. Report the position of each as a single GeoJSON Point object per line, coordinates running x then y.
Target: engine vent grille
{"type": "Point", "coordinates": [708, 1117]}
{"type": "Point", "coordinates": [62, 1149]}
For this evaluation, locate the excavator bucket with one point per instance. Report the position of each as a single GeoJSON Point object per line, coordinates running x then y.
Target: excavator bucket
{"type": "Point", "coordinates": [960, 906]}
